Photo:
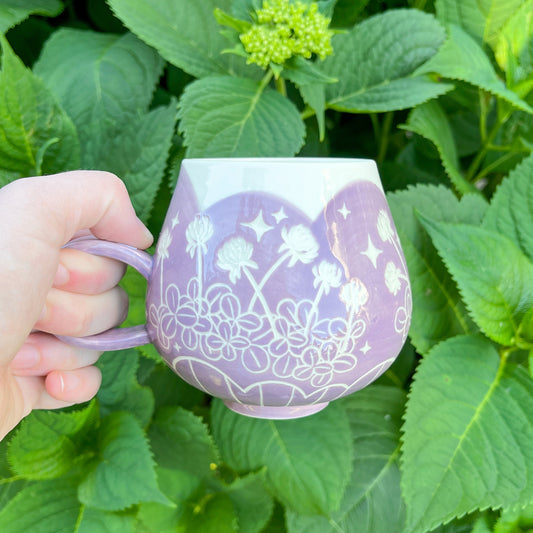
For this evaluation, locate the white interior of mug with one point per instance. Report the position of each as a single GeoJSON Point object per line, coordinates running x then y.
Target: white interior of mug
{"type": "Point", "coordinates": [307, 183]}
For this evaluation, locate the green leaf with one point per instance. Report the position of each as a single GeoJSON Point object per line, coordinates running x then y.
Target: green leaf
{"type": "Point", "coordinates": [308, 460]}
{"type": "Point", "coordinates": [511, 208]}
{"type": "Point", "coordinates": [180, 487]}
{"type": "Point", "coordinates": [41, 508]}
{"type": "Point", "coordinates": [461, 58]}
{"type": "Point", "coordinates": [482, 19]}
{"type": "Point", "coordinates": [36, 135]}
{"type": "Point", "coordinates": [513, 38]}
{"type": "Point", "coordinates": [375, 63]}
{"type": "Point", "coordinates": [493, 275]}
{"type": "Point", "coordinates": [223, 116]}
{"type": "Point", "coordinates": [372, 502]}
{"type": "Point", "coordinates": [120, 390]}
{"type": "Point", "coordinates": [138, 154]}
{"type": "Point", "coordinates": [103, 81]}
{"type": "Point", "coordinates": [438, 312]}
{"type": "Point", "coordinates": [214, 514]}
{"type": "Point", "coordinates": [252, 503]}
{"type": "Point", "coordinates": [94, 520]}
{"type": "Point", "coordinates": [347, 12]}
{"type": "Point", "coordinates": [465, 407]}
{"type": "Point", "coordinates": [525, 329]}
{"type": "Point", "coordinates": [47, 444]}
{"type": "Point", "coordinates": [430, 121]}
{"type": "Point", "coordinates": [225, 19]}
{"type": "Point", "coordinates": [314, 96]}
{"type": "Point", "coordinates": [181, 440]}
{"type": "Point", "coordinates": [185, 33]}
{"type": "Point", "coordinates": [124, 473]}
{"type": "Point", "coordinates": [14, 11]}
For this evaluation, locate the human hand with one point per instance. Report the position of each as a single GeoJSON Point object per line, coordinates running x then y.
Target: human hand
{"type": "Point", "coordinates": [47, 290]}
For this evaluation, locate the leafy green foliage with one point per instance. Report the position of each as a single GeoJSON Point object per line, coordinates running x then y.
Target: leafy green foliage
{"type": "Point", "coordinates": [372, 501]}
{"type": "Point", "coordinates": [185, 33]}
{"type": "Point", "coordinates": [13, 12]}
{"type": "Point", "coordinates": [461, 58]}
{"type": "Point", "coordinates": [497, 295]}
{"type": "Point", "coordinates": [458, 418]}
{"type": "Point", "coordinates": [122, 448]}
{"type": "Point", "coordinates": [37, 136]}
{"type": "Point", "coordinates": [402, 40]}
{"type": "Point", "coordinates": [252, 120]}
{"type": "Point", "coordinates": [307, 459]}
{"type": "Point", "coordinates": [438, 311]}
{"type": "Point", "coordinates": [48, 444]}
{"type": "Point", "coordinates": [440, 95]}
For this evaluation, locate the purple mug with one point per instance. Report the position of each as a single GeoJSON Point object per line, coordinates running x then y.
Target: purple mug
{"type": "Point", "coordinates": [277, 285]}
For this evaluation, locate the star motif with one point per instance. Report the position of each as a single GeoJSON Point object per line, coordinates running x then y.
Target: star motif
{"type": "Point", "coordinates": [344, 211]}
{"type": "Point", "coordinates": [258, 225]}
{"type": "Point", "coordinates": [176, 219]}
{"type": "Point", "coordinates": [280, 215]}
{"type": "Point", "coordinates": [365, 348]}
{"type": "Point", "coordinates": [372, 252]}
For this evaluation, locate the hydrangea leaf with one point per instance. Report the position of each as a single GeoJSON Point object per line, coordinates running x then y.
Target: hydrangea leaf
{"type": "Point", "coordinates": [462, 58]}
{"type": "Point", "coordinates": [103, 81]}
{"type": "Point", "coordinates": [482, 19]}
{"type": "Point", "coordinates": [180, 440]}
{"type": "Point", "coordinates": [512, 206]}
{"type": "Point", "coordinates": [375, 63]}
{"type": "Point", "coordinates": [36, 135]}
{"type": "Point", "coordinates": [124, 473]}
{"type": "Point", "coordinates": [42, 506]}
{"type": "Point", "coordinates": [185, 33]}
{"type": "Point", "coordinates": [251, 120]}
{"type": "Point", "coordinates": [120, 390]}
{"type": "Point", "coordinates": [372, 502]}
{"type": "Point", "coordinates": [308, 460]}
{"type": "Point", "coordinates": [493, 276]}
{"type": "Point", "coordinates": [466, 406]}
{"type": "Point", "coordinates": [47, 444]}
{"type": "Point", "coordinates": [438, 311]}
{"type": "Point", "coordinates": [12, 12]}
{"type": "Point", "coordinates": [430, 121]}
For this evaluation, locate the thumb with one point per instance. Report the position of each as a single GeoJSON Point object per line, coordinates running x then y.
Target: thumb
{"type": "Point", "coordinates": [37, 217]}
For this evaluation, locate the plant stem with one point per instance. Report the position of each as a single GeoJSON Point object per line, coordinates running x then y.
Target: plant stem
{"type": "Point", "coordinates": [266, 80]}
{"type": "Point", "coordinates": [487, 143]}
{"type": "Point", "coordinates": [280, 86]}
{"type": "Point", "coordinates": [307, 113]}
{"type": "Point", "coordinates": [385, 136]}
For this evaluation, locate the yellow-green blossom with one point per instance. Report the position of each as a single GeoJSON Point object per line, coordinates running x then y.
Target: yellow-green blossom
{"type": "Point", "coordinates": [286, 29]}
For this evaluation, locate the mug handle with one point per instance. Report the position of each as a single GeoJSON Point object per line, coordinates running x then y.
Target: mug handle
{"type": "Point", "coordinates": [115, 338]}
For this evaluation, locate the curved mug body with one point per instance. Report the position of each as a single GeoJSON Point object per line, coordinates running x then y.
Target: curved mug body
{"type": "Point", "coordinates": [278, 285]}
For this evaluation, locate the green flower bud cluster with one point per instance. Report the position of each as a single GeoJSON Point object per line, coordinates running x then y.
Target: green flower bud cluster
{"type": "Point", "coordinates": [286, 29]}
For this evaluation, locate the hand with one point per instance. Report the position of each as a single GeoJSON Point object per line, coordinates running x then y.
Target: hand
{"type": "Point", "coordinates": [46, 290]}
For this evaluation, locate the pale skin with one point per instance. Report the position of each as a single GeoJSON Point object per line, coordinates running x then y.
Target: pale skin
{"type": "Point", "coordinates": [47, 290]}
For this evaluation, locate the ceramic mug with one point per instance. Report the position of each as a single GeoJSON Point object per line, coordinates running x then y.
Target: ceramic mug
{"type": "Point", "coordinates": [277, 285]}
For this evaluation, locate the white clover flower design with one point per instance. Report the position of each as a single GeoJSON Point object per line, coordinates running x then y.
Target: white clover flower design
{"type": "Point", "coordinates": [235, 255]}
{"type": "Point", "coordinates": [165, 240]}
{"type": "Point", "coordinates": [198, 232]}
{"type": "Point", "coordinates": [393, 278]}
{"type": "Point", "coordinates": [300, 242]}
{"type": "Point", "coordinates": [327, 275]}
{"type": "Point", "coordinates": [354, 294]}
{"type": "Point", "coordinates": [384, 226]}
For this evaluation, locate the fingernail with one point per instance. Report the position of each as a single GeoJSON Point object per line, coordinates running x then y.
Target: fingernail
{"type": "Point", "coordinates": [27, 357]}
{"type": "Point", "coordinates": [146, 231]}
{"type": "Point", "coordinates": [68, 382]}
{"type": "Point", "coordinates": [62, 276]}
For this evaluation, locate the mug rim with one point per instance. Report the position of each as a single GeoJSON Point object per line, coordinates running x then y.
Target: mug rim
{"type": "Point", "coordinates": [284, 160]}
